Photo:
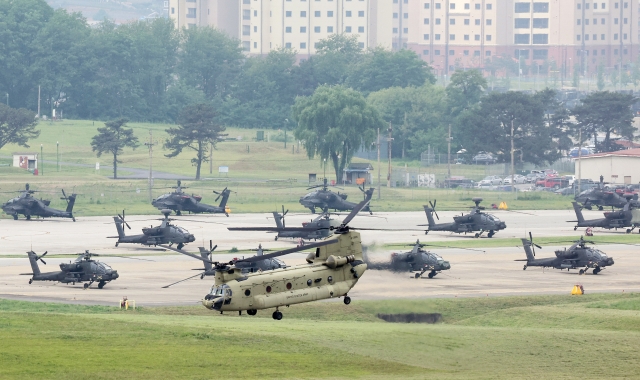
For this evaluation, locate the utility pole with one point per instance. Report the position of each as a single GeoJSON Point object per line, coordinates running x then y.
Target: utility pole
{"type": "Point", "coordinates": [211, 158]}
{"type": "Point", "coordinates": [57, 156]}
{"type": "Point", "coordinates": [42, 159]}
{"type": "Point", "coordinates": [449, 155]}
{"type": "Point", "coordinates": [389, 140]}
{"type": "Point", "coordinates": [378, 163]}
{"type": "Point", "coordinates": [38, 102]}
{"type": "Point", "coordinates": [580, 162]}
{"type": "Point", "coordinates": [150, 145]}
{"type": "Point", "coordinates": [513, 187]}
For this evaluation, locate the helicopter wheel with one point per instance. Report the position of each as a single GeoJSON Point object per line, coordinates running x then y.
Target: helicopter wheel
{"type": "Point", "coordinates": [178, 213]}
{"type": "Point", "coordinates": [524, 267]}
{"type": "Point", "coordinates": [581, 271]}
{"type": "Point", "coordinates": [600, 208]}
{"type": "Point", "coordinates": [86, 285]}
{"type": "Point", "coordinates": [30, 281]}
{"type": "Point", "coordinates": [347, 300]}
{"type": "Point", "coordinates": [628, 230]}
{"type": "Point", "coordinates": [15, 216]}
{"type": "Point", "coordinates": [417, 275]}
{"type": "Point", "coordinates": [431, 274]}
{"type": "Point", "coordinates": [490, 234]}
{"type": "Point", "coordinates": [575, 228]}
{"type": "Point", "coordinates": [101, 284]}
{"type": "Point", "coordinates": [596, 271]}
{"type": "Point", "coordinates": [276, 239]}
{"type": "Point", "coordinates": [477, 235]}
{"type": "Point", "coordinates": [252, 311]}
{"type": "Point", "coordinates": [28, 217]}
{"type": "Point", "coordinates": [277, 315]}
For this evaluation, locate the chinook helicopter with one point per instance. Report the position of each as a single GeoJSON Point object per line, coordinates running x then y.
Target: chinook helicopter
{"type": "Point", "coordinates": [331, 271]}
{"type": "Point", "coordinates": [179, 201]}
{"type": "Point", "coordinates": [29, 206]}
{"type": "Point", "coordinates": [476, 220]}
{"type": "Point", "coordinates": [325, 199]}
{"type": "Point", "coordinates": [209, 270]}
{"type": "Point", "coordinates": [165, 233]}
{"type": "Point", "coordinates": [628, 217]}
{"type": "Point", "coordinates": [419, 260]}
{"type": "Point", "coordinates": [318, 228]}
{"type": "Point", "coordinates": [83, 269]}
{"type": "Point", "coordinates": [577, 256]}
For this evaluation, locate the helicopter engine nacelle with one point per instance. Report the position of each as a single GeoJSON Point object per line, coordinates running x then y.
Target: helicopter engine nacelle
{"type": "Point", "coordinates": [334, 262]}
{"type": "Point", "coordinates": [70, 267]}
{"type": "Point", "coordinates": [343, 196]}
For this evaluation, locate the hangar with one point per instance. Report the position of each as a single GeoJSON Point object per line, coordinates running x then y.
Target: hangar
{"type": "Point", "coordinates": [616, 167]}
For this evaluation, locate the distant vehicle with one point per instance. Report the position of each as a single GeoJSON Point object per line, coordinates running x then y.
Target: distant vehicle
{"type": "Point", "coordinates": [575, 152]}
{"type": "Point", "coordinates": [565, 191]}
{"type": "Point", "coordinates": [491, 180]}
{"type": "Point", "coordinates": [484, 158]}
{"type": "Point", "coordinates": [570, 178]}
{"type": "Point", "coordinates": [461, 182]}
{"type": "Point", "coordinates": [533, 177]}
{"type": "Point", "coordinates": [517, 178]}
{"type": "Point", "coordinates": [553, 182]}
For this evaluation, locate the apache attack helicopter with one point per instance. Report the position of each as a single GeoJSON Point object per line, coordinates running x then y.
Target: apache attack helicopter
{"type": "Point", "coordinates": [325, 199]}
{"type": "Point", "coordinates": [165, 233]}
{"type": "Point", "coordinates": [419, 260]}
{"type": "Point", "coordinates": [577, 256]}
{"type": "Point", "coordinates": [29, 206]}
{"type": "Point", "coordinates": [245, 267]}
{"type": "Point", "coordinates": [601, 197]}
{"type": "Point", "coordinates": [331, 271]}
{"type": "Point", "coordinates": [83, 269]}
{"type": "Point", "coordinates": [476, 220]}
{"type": "Point", "coordinates": [628, 217]}
{"type": "Point", "coordinates": [179, 201]}
{"type": "Point", "coordinates": [318, 228]}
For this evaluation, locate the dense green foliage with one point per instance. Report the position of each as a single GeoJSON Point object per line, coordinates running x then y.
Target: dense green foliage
{"type": "Point", "coordinates": [17, 126]}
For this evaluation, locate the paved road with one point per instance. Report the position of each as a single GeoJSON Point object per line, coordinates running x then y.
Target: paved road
{"type": "Point", "coordinates": [472, 274]}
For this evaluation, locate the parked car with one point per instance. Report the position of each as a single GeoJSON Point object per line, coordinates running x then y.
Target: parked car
{"type": "Point", "coordinates": [570, 178]}
{"type": "Point", "coordinates": [461, 182]}
{"type": "Point", "coordinates": [484, 158]}
{"type": "Point", "coordinates": [553, 183]}
{"type": "Point", "coordinates": [533, 177]}
{"type": "Point", "coordinates": [492, 180]}
{"type": "Point", "coordinates": [565, 191]}
{"type": "Point", "coordinates": [517, 178]}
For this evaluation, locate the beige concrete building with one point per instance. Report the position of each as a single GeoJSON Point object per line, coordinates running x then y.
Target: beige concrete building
{"type": "Point", "coordinates": [465, 33]}
{"type": "Point", "coordinates": [616, 167]}
{"type": "Point", "coordinates": [221, 14]}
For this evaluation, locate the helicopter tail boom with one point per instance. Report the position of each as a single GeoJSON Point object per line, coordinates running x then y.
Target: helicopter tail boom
{"type": "Point", "coordinates": [429, 211]}
{"type": "Point", "coordinates": [119, 227]}
{"type": "Point", "coordinates": [72, 201]}
{"type": "Point", "coordinates": [576, 208]}
{"type": "Point", "coordinates": [33, 260]}
{"type": "Point", "coordinates": [526, 244]}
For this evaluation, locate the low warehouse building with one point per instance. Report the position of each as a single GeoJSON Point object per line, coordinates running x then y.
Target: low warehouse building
{"type": "Point", "coordinates": [616, 167]}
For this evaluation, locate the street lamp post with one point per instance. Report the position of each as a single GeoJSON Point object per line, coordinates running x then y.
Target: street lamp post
{"type": "Point", "coordinates": [286, 122]}
{"type": "Point", "coordinates": [57, 156]}
{"type": "Point", "coordinates": [41, 159]}
{"type": "Point", "coordinates": [7, 99]}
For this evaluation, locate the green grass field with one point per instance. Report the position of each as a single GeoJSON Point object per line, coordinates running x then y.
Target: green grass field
{"type": "Point", "coordinates": [553, 337]}
{"type": "Point", "coordinates": [263, 175]}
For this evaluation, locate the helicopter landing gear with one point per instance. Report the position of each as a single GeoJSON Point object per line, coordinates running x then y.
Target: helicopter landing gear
{"type": "Point", "coordinates": [630, 230]}
{"type": "Point", "coordinates": [30, 281]}
{"type": "Point", "coordinates": [15, 216]}
{"type": "Point", "coordinates": [600, 208]}
{"type": "Point", "coordinates": [477, 235]}
{"type": "Point", "coordinates": [117, 244]}
{"type": "Point", "coordinates": [178, 212]}
{"type": "Point", "coordinates": [86, 285]}
{"type": "Point", "coordinates": [581, 272]}
{"type": "Point", "coordinates": [101, 284]}
{"type": "Point", "coordinates": [253, 312]}
{"type": "Point", "coordinates": [417, 275]}
{"type": "Point", "coordinates": [276, 238]}
{"type": "Point", "coordinates": [490, 234]}
{"type": "Point", "coordinates": [180, 246]}
{"type": "Point", "coordinates": [277, 315]}
{"type": "Point", "coordinates": [28, 217]}
{"type": "Point", "coordinates": [432, 274]}
{"type": "Point", "coordinates": [596, 270]}
{"type": "Point", "coordinates": [524, 267]}
{"type": "Point", "coordinates": [347, 300]}
{"type": "Point", "coordinates": [575, 228]}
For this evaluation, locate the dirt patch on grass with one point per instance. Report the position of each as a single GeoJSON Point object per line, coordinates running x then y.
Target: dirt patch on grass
{"type": "Point", "coordinates": [412, 318]}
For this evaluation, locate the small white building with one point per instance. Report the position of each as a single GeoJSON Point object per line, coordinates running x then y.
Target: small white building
{"type": "Point", "coordinates": [27, 161]}
{"type": "Point", "coordinates": [616, 167]}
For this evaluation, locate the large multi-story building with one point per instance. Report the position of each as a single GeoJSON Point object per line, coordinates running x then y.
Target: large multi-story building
{"type": "Point", "coordinates": [448, 34]}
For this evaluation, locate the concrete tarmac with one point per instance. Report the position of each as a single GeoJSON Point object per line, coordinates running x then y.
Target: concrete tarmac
{"type": "Point", "coordinates": [473, 273]}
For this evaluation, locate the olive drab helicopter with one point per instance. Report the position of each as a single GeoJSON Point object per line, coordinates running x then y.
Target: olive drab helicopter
{"type": "Point", "coordinates": [83, 269]}
{"type": "Point", "coordinates": [475, 220]}
{"type": "Point", "coordinates": [165, 233]}
{"type": "Point", "coordinates": [245, 267]}
{"type": "Point", "coordinates": [331, 271]}
{"type": "Point", "coordinates": [420, 261]}
{"type": "Point", "coordinates": [577, 256]}
{"type": "Point", "coordinates": [29, 206]}
{"type": "Point", "coordinates": [318, 228]}
{"type": "Point", "coordinates": [180, 201]}
{"type": "Point", "coordinates": [628, 217]}
{"type": "Point", "coordinates": [326, 200]}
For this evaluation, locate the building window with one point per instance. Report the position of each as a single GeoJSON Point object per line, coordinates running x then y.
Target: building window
{"type": "Point", "coordinates": [316, 29]}
{"type": "Point", "coordinates": [615, 36]}
{"type": "Point", "coordinates": [436, 52]}
{"type": "Point", "coordinates": [522, 53]}
{"type": "Point", "coordinates": [488, 22]}
{"type": "Point", "coordinates": [303, 45]}
{"type": "Point", "coordinates": [477, 37]}
{"type": "Point", "coordinates": [426, 37]}
{"type": "Point", "coordinates": [615, 21]}
{"type": "Point", "coordinates": [476, 53]}
{"type": "Point", "coordinates": [173, 10]}
{"type": "Point", "coordinates": [602, 37]}
{"type": "Point", "coordinates": [347, 29]}
{"type": "Point", "coordinates": [615, 51]}
{"type": "Point", "coordinates": [329, 13]}
{"type": "Point", "coordinates": [361, 14]}
{"type": "Point", "coordinates": [595, 52]}
{"type": "Point", "coordinates": [624, 36]}
{"type": "Point", "coordinates": [602, 21]}
{"type": "Point", "coordinates": [521, 38]}
{"type": "Point", "coordinates": [586, 21]}
{"type": "Point", "coordinates": [477, 21]}
{"type": "Point", "coordinates": [317, 13]}
{"type": "Point", "coordinates": [438, 5]}
{"type": "Point", "coordinates": [303, 29]}
{"type": "Point", "coordinates": [287, 14]}
{"type": "Point", "coordinates": [425, 52]}
{"type": "Point", "coordinates": [246, 1]}
{"type": "Point", "coordinates": [437, 37]}
{"type": "Point", "coordinates": [578, 37]}
{"type": "Point", "coordinates": [404, 15]}
{"type": "Point", "coordinates": [361, 29]}
{"type": "Point", "coordinates": [625, 51]}
{"type": "Point", "coordinates": [595, 21]}
{"type": "Point", "coordinates": [579, 6]}
{"type": "Point", "coordinates": [544, 7]}
{"type": "Point", "coordinates": [466, 37]}
{"type": "Point", "coordinates": [361, 44]}
{"type": "Point", "coordinates": [522, 23]}
{"type": "Point", "coordinates": [246, 45]}
{"type": "Point", "coordinates": [437, 21]}
{"type": "Point", "coordinates": [329, 29]}
{"type": "Point", "coordinates": [540, 54]}
{"type": "Point", "coordinates": [466, 6]}
{"type": "Point", "coordinates": [287, 45]}
{"type": "Point", "coordinates": [452, 21]}
{"type": "Point", "coordinates": [488, 53]}
{"type": "Point", "coordinates": [540, 23]}
{"type": "Point", "coordinates": [603, 52]}
{"type": "Point", "coordinates": [626, 5]}
{"type": "Point", "coordinates": [246, 30]}
{"type": "Point", "coordinates": [405, 30]}
{"type": "Point", "coordinates": [523, 8]}
{"type": "Point", "coordinates": [287, 29]}
{"type": "Point", "coordinates": [595, 37]}
{"type": "Point", "coordinates": [488, 37]}
{"type": "Point", "coordinates": [191, 13]}
{"type": "Point", "coordinates": [426, 21]}
{"type": "Point", "coordinates": [452, 6]}
{"type": "Point", "coordinates": [603, 4]}
{"type": "Point", "coordinates": [426, 6]}
{"type": "Point", "coordinates": [395, 30]}
{"type": "Point", "coordinates": [452, 52]}
{"type": "Point", "coordinates": [625, 20]}
{"type": "Point", "coordinates": [348, 14]}
{"type": "Point", "coordinates": [489, 7]}
{"type": "Point", "coordinates": [466, 21]}
{"type": "Point", "coordinates": [465, 52]}
{"type": "Point", "coordinates": [452, 37]}
{"type": "Point", "coordinates": [395, 15]}
{"type": "Point", "coordinates": [477, 6]}
{"type": "Point", "coordinates": [586, 37]}
{"type": "Point", "coordinates": [579, 21]}
{"type": "Point", "coordinates": [246, 14]}
{"type": "Point", "coordinates": [303, 13]}
{"type": "Point", "coordinates": [255, 29]}
{"type": "Point", "coordinates": [255, 45]}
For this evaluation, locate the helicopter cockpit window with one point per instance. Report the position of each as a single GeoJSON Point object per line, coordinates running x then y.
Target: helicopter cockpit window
{"type": "Point", "coordinates": [493, 218]}
{"type": "Point", "coordinates": [182, 230]}
{"type": "Point", "coordinates": [599, 253]}
{"type": "Point", "coordinates": [312, 194]}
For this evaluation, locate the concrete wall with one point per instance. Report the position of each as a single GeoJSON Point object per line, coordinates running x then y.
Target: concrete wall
{"type": "Point", "coordinates": [609, 167]}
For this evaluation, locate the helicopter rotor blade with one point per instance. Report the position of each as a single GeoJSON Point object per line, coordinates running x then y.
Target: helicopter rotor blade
{"type": "Point", "coordinates": [433, 206]}
{"type": "Point", "coordinates": [123, 221]}
{"type": "Point", "coordinates": [186, 253]}
{"type": "Point", "coordinates": [188, 278]}
{"type": "Point", "coordinates": [288, 251]}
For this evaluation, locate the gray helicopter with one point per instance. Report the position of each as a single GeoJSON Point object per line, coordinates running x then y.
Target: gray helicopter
{"type": "Point", "coordinates": [245, 267]}
{"type": "Point", "coordinates": [179, 201]}
{"type": "Point", "coordinates": [29, 206]}
{"type": "Point", "coordinates": [165, 233]}
{"type": "Point", "coordinates": [420, 261]}
{"type": "Point", "coordinates": [475, 221]}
